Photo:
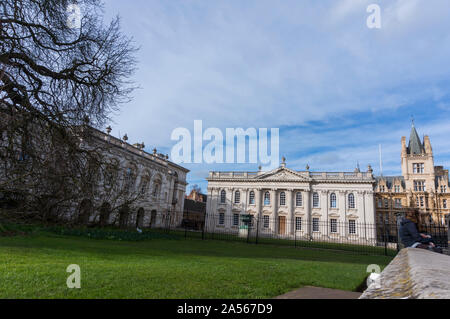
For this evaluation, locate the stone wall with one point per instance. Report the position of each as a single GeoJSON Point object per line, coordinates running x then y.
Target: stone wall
{"type": "Point", "coordinates": [413, 274]}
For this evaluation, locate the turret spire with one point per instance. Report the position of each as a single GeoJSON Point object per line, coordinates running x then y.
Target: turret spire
{"type": "Point", "coordinates": [415, 145]}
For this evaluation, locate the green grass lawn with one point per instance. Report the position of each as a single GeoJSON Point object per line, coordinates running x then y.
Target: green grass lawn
{"type": "Point", "coordinates": [34, 266]}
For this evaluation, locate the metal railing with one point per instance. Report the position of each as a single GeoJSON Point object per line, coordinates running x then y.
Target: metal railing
{"type": "Point", "coordinates": [365, 238]}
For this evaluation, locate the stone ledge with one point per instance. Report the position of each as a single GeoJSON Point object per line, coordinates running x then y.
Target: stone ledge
{"type": "Point", "coordinates": [413, 274]}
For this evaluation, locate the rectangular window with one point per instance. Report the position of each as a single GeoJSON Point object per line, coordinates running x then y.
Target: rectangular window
{"type": "Point", "coordinates": [397, 188]}
{"type": "Point", "coordinates": [380, 203]}
{"type": "Point", "coordinates": [333, 225]}
{"type": "Point", "coordinates": [266, 198]}
{"type": "Point", "coordinates": [315, 224]}
{"type": "Point", "coordinates": [419, 186]}
{"type": "Point", "coordinates": [298, 200]}
{"type": "Point", "coordinates": [237, 197]}
{"type": "Point", "coordinates": [235, 219]}
{"type": "Point", "coordinates": [282, 199]}
{"type": "Point", "coordinates": [315, 200]}
{"type": "Point", "coordinates": [420, 201]}
{"type": "Point", "coordinates": [418, 168]}
{"type": "Point", "coordinates": [443, 189]}
{"type": "Point", "coordinates": [444, 203]}
{"type": "Point", "coordinates": [398, 203]}
{"type": "Point", "coordinates": [298, 223]}
{"type": "Point", "coordinates": [266, 221]}
{"type": "Point", "coordinates": [221, 218]}
{"type": "Point", "coordinates": [252, 198]}
{"type": "Point", "coordinates": [386, 203]}
{"type": "Point", "coordinates": [352, 227]}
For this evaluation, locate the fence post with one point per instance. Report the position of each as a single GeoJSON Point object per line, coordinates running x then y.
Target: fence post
{"type": "Point", "coordinates": [248, 232]}
{"type": "Point", "coordinates": [257, 230]}
{"type": "Point", "coordinates": [204, 225]}
{"type": "Point", "coordinates": [448, 234]}
{"type": "Point", "coordinates": [295, 236]}
{"type": "Point", "coordinates": [214, 228]}
{"type": "Point", "coordinates": [185, 226]}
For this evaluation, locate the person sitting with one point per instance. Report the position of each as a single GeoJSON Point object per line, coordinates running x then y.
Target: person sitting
{"type": "Point", "coordinates": [411, 237]}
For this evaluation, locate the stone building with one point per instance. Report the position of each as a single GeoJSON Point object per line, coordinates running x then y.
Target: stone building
{"type": "Point", "coordinates": [422, 185]}
{"type": "Point", "coordinates": [194, 210]}
{"type": "Point", "coordinates": [287, 203]}
{"type": "Point", "coordinates": [147, 190]}
{"type": "Point", "coordinates": [197, 196]}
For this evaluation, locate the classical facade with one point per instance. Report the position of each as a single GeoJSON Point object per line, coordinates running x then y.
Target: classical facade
{"type": "Point", "coordinates": [142, 190]}
{"type": "Point", "coordinates": [288, 203]}
{"type": "Point", "coordinates": [422, 185]}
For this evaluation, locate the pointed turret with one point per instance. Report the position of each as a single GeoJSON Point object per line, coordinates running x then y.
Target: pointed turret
{"type": "Point", "coordinates": [415, 146]}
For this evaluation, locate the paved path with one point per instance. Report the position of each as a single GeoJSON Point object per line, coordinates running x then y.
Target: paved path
{"type": "Point", "coordinates": [309, 292]}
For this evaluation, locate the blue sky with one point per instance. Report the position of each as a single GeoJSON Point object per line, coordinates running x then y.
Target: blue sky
{"type": "Point", "coordinates": [335, 88]}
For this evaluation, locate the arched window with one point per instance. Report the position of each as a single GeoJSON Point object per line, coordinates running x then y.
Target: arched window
{"type": "Point", "coordinates": [111, 173]}
{"type": "Point", "coordinates": [351, 200]}
{"type": "Point", "coordinates": [237, 197]}
{"type": "Point", "coordinates": [315, 200]}
{"type": "Point", "coordinates": [130, 177]}
{"type": "Point", "coordinates": [266, 198]}
{"type": "Point", "coordinates": [145, 180]}
{"type": "Point", "coordinates": [251, 199]}
{"type": "Point", "coordinates": [333, 200]}
{"type": "Point", "coordinates": [156, 189]}
{"type": "Point", "coordinates": [223, 196]}
{"type": "Point", "coordinates": [282, 198]}
{"type": "Point", "coordinates": [298, 199]}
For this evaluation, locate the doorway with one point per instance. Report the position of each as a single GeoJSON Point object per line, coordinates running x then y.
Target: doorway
{"type": "Point", "coordinates": [282, 225]}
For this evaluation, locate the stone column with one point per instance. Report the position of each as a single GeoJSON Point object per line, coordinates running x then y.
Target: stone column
{"type": "Point", "coordinates": [274, 204]}
{"type": "Point", "coordinates": [209, 200]}
{"type": "Point", "coordinates": [229, 200]}
{"type": "Point", "coordinates": [244, 200]}
{"type": "Point", "coordinates": [258, 195]}
{"type": "Point", "coordinates": [291, 221]}
{"type": "Point", "coordinates": [324, 205]}
{"type": "Point", "coordinates": [342, 206]}
{"type": "Point", "coordinates": [307, 205]}
{"type": "Point", "coordinates": [212, 212]}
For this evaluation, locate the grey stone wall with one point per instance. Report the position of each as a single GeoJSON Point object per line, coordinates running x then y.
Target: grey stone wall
{"type": "Point", "coordinates": [413, 274]}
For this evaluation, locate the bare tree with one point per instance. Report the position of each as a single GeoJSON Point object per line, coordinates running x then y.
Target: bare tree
{"type": "Point", "coordinates": [56, 81]}
{"type": "Point", "coordinates": [196, 188]}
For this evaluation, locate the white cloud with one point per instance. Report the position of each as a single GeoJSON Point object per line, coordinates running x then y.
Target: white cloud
{"type": "Point", "coordinates": [271, 64]}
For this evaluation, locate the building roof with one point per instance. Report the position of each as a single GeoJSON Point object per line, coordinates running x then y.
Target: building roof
{"type": "Point", "coordinates": [390, 180]}
{"type": "Point", "coordinates": [415, 146]}
{"type": "Point", "coordinates": [285, 174]}
{"type": "Point", "coordinates": [194, 206]}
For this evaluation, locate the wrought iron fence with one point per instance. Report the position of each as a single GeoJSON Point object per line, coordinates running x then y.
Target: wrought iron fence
{"type": "Point", "coordinates": [351, 235]}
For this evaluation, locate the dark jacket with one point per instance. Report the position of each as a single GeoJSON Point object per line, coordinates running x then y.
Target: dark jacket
{"type": "Point", "coordinates": [410, 235]}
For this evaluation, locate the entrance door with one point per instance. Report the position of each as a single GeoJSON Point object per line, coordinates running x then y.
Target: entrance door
{"type": "Point", "coordinates": [140, 218]}
{"type": "Point", "coordinates": [281, 225]}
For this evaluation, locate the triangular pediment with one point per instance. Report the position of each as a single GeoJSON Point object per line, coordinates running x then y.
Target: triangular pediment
{"type": "Point", "coordinates": [282, 173]}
